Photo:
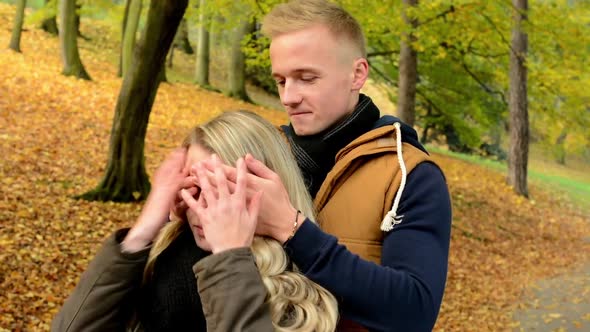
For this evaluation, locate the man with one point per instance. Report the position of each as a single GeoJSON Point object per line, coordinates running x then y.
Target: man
{"type": "Point", "coordinates": [384, 207]}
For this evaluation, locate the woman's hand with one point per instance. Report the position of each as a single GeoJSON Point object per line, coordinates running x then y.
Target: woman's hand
{"type": "Point", "coordinates": [228, 220]}
{"type": "Point", "coordinates": [166, 183]}
{"type": "Point", "coordinates": [277, 213]}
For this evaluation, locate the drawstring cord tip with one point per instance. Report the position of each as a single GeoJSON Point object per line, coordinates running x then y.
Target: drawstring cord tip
{"type": "Point", "coordinates": [390, 220]}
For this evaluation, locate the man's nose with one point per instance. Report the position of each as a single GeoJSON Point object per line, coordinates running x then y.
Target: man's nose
{"type": "Point", "coordinates": [291, 95]}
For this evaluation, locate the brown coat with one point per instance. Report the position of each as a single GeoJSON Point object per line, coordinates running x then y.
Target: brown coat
{"type": "Point", "coordinates": [232, 293]}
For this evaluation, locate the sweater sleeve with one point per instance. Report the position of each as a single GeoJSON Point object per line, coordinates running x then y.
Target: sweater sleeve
{"type": "Point", "coordinates": [405, 292]}
{"type": "Point", "coordinates": [232, 292]}
{"type": "Point", "coordinates": [101, 300]}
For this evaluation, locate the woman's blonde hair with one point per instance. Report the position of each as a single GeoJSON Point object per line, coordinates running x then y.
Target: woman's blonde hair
{"type": "Point", "coordinates": [296, 303]}
{"type": "Point", "coordinates": [296, 15]}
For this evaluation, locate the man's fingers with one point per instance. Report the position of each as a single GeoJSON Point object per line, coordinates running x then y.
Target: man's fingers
{"type": "Point", "coordinates": [258, 168]}
{"type": "Point", "coordinates": [220, 179]}
{"type": "Point", "coordinates": [189, 199]}
{"type": "Point", "coordinates": [202, 203]}
{"type": "Point", "coordinates": [240, 188]}
{"type": "Point", "coordinates": [231, 174]}
{"type": "Point", "coordinates": [188, 182]}
{"type": "Point", "coordinates": [254, 206]}
{"type": "Point", "coordinates": [206, 188]}
{"type": "Point", "coordinates": [191, 190]}
{"type": "Point", "coordinates": [182, 205]}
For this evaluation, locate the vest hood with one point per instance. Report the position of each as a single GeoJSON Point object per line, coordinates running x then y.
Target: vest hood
{"type": "Point", "coordinates": [409, 135]}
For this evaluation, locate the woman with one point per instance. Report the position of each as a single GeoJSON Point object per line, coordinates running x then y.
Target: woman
{"type": "Point", "coordinates": [144, 278]}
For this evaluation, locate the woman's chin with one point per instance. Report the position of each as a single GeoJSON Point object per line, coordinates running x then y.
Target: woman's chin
{"type": "Point", "coordinates": [202, 242]}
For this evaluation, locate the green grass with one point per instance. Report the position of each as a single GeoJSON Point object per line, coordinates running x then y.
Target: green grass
{"type": "Point", "coordinates": [573, 183]}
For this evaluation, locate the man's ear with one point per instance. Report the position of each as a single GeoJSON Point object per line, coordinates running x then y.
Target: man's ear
{"type": "Point", "coordinates": [360, 73]}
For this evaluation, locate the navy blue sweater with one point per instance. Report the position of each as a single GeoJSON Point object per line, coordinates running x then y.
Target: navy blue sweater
{"type": "Point", "coordinates": [405, 292]}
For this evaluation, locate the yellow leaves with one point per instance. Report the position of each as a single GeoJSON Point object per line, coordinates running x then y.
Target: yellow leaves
{"type": "Point", "coordinates": [550, 317]}
{"type": "Point", "coordinates": [136, 195]}
{"type": "Point", "coordinates": [500, 244]}
{"type": "Point", "coordinates": [54, 135]}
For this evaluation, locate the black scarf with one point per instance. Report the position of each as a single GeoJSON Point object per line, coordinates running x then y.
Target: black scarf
{"type": "Point", "coordinates": [170, 300]}
{"type": "Point", "coordinates": [316, 154]}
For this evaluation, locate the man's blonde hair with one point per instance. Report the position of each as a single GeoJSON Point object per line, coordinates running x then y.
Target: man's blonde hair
{"type": "Point", "coordinates": [296, 15]}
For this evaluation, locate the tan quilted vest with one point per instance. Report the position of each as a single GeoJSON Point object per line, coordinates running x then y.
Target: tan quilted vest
{"type": "Point", "coordinates": [360, 189]}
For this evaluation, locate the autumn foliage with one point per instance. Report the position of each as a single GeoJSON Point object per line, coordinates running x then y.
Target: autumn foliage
{"type": "Point", "coordinates": [54, 134]}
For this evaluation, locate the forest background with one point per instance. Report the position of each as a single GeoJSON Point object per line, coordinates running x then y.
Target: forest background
{"type": "Point", "coordinates": [55, 133]}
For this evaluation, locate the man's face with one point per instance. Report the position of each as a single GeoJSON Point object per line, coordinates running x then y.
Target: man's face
{"type": "Point", "coordinates": [317, 76]}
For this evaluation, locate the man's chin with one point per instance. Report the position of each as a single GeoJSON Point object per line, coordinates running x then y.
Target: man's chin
{"type": "Point", "coordinates": [304, 129]}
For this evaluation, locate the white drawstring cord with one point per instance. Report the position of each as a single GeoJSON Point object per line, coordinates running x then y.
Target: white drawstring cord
{"type": "Point", "coordinates": [391, 218]}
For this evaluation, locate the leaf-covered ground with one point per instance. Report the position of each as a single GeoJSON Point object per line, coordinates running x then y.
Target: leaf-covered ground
{"type": "Point", "coordinates": [54, 134]}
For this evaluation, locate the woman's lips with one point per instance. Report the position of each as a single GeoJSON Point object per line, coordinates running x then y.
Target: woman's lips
{"type": "Point", "coordinates": [199, 230]}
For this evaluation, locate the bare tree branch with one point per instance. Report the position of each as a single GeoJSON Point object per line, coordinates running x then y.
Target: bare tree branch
{"type": "Point", "coordinates": [482, 84]}
{"type": "Point", "coordinates": [487, 18]}
{"type": "Point", "coordinates": [451, 9]}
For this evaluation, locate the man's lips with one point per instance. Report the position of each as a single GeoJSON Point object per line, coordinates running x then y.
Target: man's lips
{"type": "Point", "coordinates": [293, 113]}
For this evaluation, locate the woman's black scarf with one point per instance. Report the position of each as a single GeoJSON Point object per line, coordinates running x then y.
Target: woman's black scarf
{"type": "Point", "coordinates": [170, 301]}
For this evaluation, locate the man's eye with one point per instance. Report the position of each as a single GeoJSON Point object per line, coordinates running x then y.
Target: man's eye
{"type": "Point", "coordinates": [280, 82]}
{"type": "Point", "coordinates": [308, 79]}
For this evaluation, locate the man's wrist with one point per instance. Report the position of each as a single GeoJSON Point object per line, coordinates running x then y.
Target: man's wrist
{"type": "Point", "coordinates": [294, 222]}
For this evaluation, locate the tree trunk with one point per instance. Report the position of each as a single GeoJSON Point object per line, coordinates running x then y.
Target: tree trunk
{"type": "Point", "coordinates": [425, 138]}
{"type": "Point", "coordinates": [559, 149]}
{"type": "Point", "coordinates": [69, 42]}
{"type": "Point", "coordinates": [181, 39]}
{"type": "Point", "coordinates": [17, 27]}
{"type": "Point", "coordinates": [162, 75]}
{"type": "Point", "coordinates": [49, 24]}
{"type": "Point", "coordinates": [130, 34]}
{"type": "Point", "coordinates": [453, 140]}
{"type": "Point", "coordinates": [237, 66]}
{"type": "Point", "coordinates": [126, 179]}
{"type": "Point", "coordinates": [123, 26]}
{"type": "Point", "coordinates": [202, 65]}
{"type": "Point", "coordinates": [408, 70]}
{"type": "Point", "coordinates": [519, 119]}
{"type": "Point", "coordinates": [77, 19]}
{"type": "Point", "coordinates": [170, 59]}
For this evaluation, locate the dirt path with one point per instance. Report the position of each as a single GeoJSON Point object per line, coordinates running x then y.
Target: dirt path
{"type": "Point", "coordinates": [558, 304]}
